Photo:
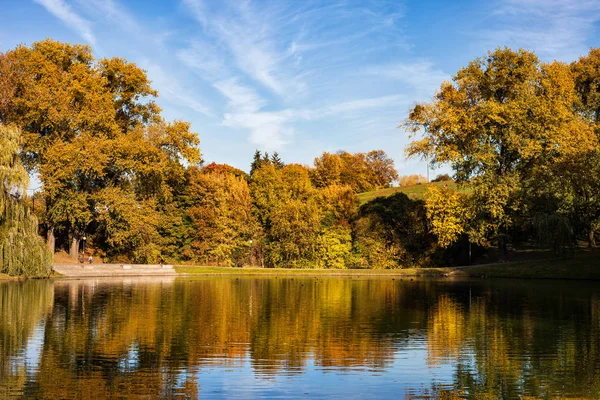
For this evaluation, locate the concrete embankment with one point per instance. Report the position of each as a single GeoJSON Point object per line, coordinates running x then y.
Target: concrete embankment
{"type": "Point", "coordinates": [111, 270]}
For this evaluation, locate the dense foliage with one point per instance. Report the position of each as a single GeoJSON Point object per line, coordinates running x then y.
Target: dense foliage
{"type": "Point", "coordinates": [524, 135]}
{"type": "Point", "coordinates": [22, 251]}
{"type": "Point", "coordinates": [521, 134]}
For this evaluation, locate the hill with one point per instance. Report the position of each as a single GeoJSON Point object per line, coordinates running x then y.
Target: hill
{"type": "Point", "coordinates": [416, 192]}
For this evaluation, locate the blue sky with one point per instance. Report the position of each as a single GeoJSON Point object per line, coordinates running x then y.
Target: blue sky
{"type": "Point", "coordinates": [302, 77]}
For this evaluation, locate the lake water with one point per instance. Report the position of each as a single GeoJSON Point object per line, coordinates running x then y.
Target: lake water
{"type": "Point", "coordinates": [302, 337]}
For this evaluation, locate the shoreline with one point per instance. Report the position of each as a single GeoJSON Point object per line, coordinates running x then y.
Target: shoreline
{"type": "Point", "coordinates": [253, 271]}
{"type": "Point", "coordinates": [583, 266]}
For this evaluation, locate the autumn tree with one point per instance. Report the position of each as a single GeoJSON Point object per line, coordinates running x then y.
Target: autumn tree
{"type": "Point", "coordinates": [583, 172]}
{"type": "Point", "coordinates": [504, 118]}
{"type": "Point", "coordinates": [361, 171]}
{"type": "Point", "coordinates": [410, 180]}
{"type": "Point", "coordinates": [450, 214]}
{"type": "Point", "coordinates": [91, 129]}
{"type": "Point", "coordinates": [327, 170]}
{"type": "Point", "coordinates": [22, 251]}
{"type": "Point", "coordinates": [220, 211]}
{"type": "Point", "coordinates": [382, 167]}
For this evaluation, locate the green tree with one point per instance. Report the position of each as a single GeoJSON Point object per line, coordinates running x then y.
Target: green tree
{"type": "Point", "coordinates": [258, 161]}
{"type": "Point", "coordinates": [276, 160]}
{"type": "Point", "coordinates": [504, 119]}
{"type": "Point", "coordinates": [392, 232]}
{"type": "Point", "coordinates": [22, 251]}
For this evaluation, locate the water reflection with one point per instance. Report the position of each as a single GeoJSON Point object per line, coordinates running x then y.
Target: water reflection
{"type": "Point", "coordinates": [228, 337]}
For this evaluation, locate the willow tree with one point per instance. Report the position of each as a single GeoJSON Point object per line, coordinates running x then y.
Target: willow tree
{"type": "Point", "coordinates": [503, 121]}
{"type": "Point", "coordinates": [22, 251]}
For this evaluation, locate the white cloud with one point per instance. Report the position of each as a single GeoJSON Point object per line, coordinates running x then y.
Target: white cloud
{"type": "Point", "coordinates": [204, 58]}
{"type": "Point", "coordinates": [250, 38]}
{"type": "Point", "coordinates": [257, 58]}
{"type": "Point", "coordinates": [170, 89]}
{"type": "Point", "coordinates": [114, 13]}
{"type": "Point", "coordinates": [63, 11]}
{"type": "Point", "coordinates": [552, 28]}
{"type": "Point", "coordinates": [421, 75]}
{"type": "Point", "coordinates": [268, 130]}
{"type": "Point", "coordinates": [365, 104]}
{"type": "Point", "coordinates": [272, 130]}
{"type": "Point", "coordinates": [241, 98]}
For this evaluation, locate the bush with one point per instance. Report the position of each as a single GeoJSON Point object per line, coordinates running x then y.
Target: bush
{"type": "Point", "coordinates": [442, 178]}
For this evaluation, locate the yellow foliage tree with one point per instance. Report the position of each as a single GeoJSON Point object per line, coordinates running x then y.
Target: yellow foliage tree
{"type": "Point", "coordinates": [505, 118]}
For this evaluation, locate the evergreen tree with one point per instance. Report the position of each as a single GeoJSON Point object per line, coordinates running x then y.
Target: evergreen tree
{"type": "Point", "coordinates": [256, 162]}
{"type": "Point", "coordinates": [276, 161]}
{"type": "Point", "coordinates": [22, 251]}
{"type": "Point", "coordinates": [259, 160]}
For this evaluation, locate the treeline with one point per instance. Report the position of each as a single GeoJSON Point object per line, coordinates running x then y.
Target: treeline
{"type": "Point", "coordinates": [116, 174]}
{"type": "Point", "coordinates": [277, 216]}
{"type": "Point", "coordinates": [524, 135]}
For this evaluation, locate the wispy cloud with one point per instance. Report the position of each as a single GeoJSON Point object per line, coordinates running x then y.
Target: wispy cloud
{"type": "Point", "coordinates": [171, 90]}
{"type": "Point", "coordinates": [241, 98]}
{"type": "Point", "coordinates": [272, 130]}
{"type": "Point", "coordinates": [113, 12]}
{"type": "Point", "coordinates": [268, 130]}
{"type": "Point", "coordinates": [204, 59]}
{"type": "Point", "coordinates": [259, 56]}
{"type": "Point", "coordinates": [421, 75]}
{"type": "Point", "coordinates": [249, 38]}
{"type": "Point", "coordinates": [63, 11]}
{"type": "Point", "coordinates": [364, 104]}
{"type": "Point", "coordinates": [553, 28]}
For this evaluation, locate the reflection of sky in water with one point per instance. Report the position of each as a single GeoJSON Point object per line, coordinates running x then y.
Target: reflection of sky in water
{"type": "Point", "coordinates": [387, 340]}
{"type": "Point", "coordinates": [408, 374]}
{"type": "Point", "coordinates": [131, 361]}
{"type": "Point", "coordinates": [33, 348]}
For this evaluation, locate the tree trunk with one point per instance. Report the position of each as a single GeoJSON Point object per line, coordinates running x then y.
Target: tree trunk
{"type": "Point", "coordinates": [74, 252]}
{"type": "Point", "coordinates": [502, 248]}
{"type": "Point", "coordinates": [51, 239]}
{"type": "Point", "coordinates": [592, 238]}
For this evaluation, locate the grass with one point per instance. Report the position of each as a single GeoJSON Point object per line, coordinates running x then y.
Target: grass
{"type": "Point", "coordinates": [414, 192]}
{"type": "Point", "coordinates": [584, 265]}
{"type": "Point", "coordinates": [200, 270]}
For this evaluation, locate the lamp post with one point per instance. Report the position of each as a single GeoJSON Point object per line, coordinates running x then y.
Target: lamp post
{"type": "Point", "coordinates": [250, 252]}
{"type": "Point", "coordinates": [84, 246]}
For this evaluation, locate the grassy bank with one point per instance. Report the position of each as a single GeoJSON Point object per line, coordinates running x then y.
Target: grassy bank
{"type": "Point", "coordinates": [199, 270]}
{"type": "Point", "coordinates": [582, 266]}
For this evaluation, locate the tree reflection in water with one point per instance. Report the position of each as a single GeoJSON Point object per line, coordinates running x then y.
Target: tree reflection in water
{"type": "Point", "coordinates": [167, 337]}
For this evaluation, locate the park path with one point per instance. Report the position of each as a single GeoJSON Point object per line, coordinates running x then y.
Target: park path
{"type": "Point", "coordinates": [110, 270]}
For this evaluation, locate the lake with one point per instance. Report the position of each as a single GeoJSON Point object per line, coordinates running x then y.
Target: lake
{"type": "Point", "coordinates": [227, 337]}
